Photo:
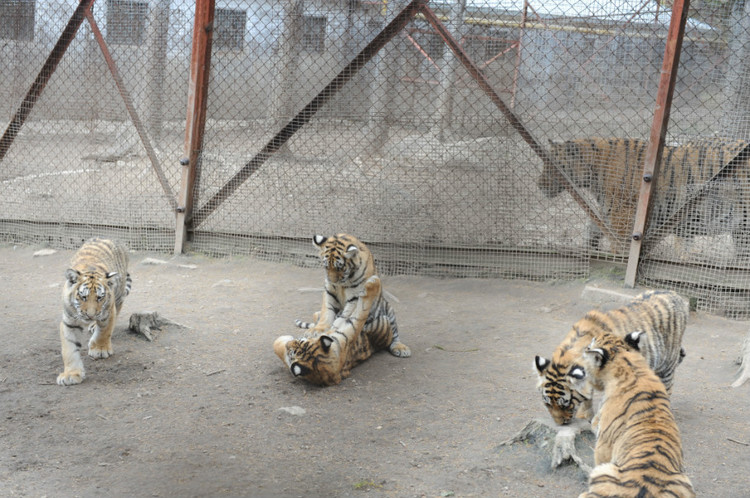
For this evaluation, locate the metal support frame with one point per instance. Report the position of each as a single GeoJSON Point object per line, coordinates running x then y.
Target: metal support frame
{"type": "Point", "coordinates": [200, 63]}
{"type": "Point", "coordinates": [128, 100]}
{"type": "Point", "coordinates": [306, 114]}
{"type": "Point", "coordinates": [485, 85]}
{"type": "Point", "coordinates": [44, 75]}
{"type": "Point", "coordinates": [82, 11]}
{"type": "Point", "coordinates": [186, 221]}
{"type": "Point", "coordinates": [655, 148]}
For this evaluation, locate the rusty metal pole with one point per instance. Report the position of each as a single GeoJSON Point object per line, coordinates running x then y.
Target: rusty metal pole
{"type": "Point", "coordinates": [652, 161]}
{"type": "Point", "coordinates": [44, 75]}
{"type": "Point", "coordinates": [200, 63]}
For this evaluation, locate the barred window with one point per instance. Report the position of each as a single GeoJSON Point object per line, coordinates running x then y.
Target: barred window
{"type": "Point", "coordinates": [126, 22]}
{"type": "Point", "coordinates": [229, 29]}
{"type": "Point", "coordinates": [17, 19]}
{"type": "Point", "coordinates": [314, 33]}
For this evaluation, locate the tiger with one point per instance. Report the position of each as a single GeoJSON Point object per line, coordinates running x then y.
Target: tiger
{"type": "Point", "coordinates": [653, 323]}
{"type": "Point", "coordinates": [95, 288]}
{"type": "Point", "coordinates": [326, 358]}
{"type": "Point", "coordinates": [349, 264]}
{"type": "Point", "coordinates": [638, 452]}
{"type": "Point", "coordinates": [743, 374]}
{"type": "Point", "coordinates": [612, 169]}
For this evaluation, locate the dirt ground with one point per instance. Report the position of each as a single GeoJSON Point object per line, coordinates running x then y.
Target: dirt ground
{"type": "Point", "coordinates": [209, 410]}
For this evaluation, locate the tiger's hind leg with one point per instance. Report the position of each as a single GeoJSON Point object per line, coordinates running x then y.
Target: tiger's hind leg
{"type": "Point", "coordinates": [396, 347]}
{"type": "Point", "coordinates": [71, 353]}
{"type": "Point", "coordinates": [383, 334]}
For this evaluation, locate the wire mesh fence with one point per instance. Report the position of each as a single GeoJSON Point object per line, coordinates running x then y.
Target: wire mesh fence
{"type": "Point", "coordinates": [413, 153]}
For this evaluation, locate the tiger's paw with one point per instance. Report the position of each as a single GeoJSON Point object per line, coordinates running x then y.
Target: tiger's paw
{"type": "Point", "coordinates": [372, 285]}
{"type": "Point", "coordinates": [100, 353]}
{"type": "Point", "coordinates": [400, 349]}
{"type": "Point", "coordinates": [279, 346]}
{"type": "Point", "coordinates": [71, 377]}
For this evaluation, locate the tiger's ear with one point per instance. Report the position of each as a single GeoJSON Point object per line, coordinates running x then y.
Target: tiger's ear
{"type": "Point", "coordinates": [600, 355]}
{"type": "Point", "coordinates": [541, 364]}
{"type": "Point", "coordinates": [112, 278]}
{"type": "Point", "coordinates": [633, 339]}
{"type": "Point", "coordinates": [319, 240]}
{"type": "Point", "coordinates": [326, 341]}
{"type": "Point", "coordinates": [351, 251]}
{"type": "Point", "coordinates": [72, 275]}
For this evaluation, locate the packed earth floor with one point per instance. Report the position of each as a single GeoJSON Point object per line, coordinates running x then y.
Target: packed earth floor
{"type": "Point", "coordinates": [207, 409]}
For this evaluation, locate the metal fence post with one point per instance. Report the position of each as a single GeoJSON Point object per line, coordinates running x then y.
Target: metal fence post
{"type": "Point", "coordinates": [200, 63]}
{"type": "Point", "coordinates": [658, 132]}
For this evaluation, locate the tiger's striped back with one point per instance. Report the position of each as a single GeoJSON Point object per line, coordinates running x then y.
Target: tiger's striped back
{"type": "Point", "coordinates": [638, 449]}
{"type": "Point", "coordinates": [612, 169]}
{"type": "Point", "coordinates": [657, 319]}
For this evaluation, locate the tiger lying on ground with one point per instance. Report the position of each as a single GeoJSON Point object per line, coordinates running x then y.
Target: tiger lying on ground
{"type": "Point", "coordinates": [95, 288]}
{"type": "Point", "coordinates": [638, 451]}
{"type": "Point", "coordinates": [612, 169]}
{"type": "Point", "coordinates": [349, 266]}
{"type": "Point", "coordinates": [652, 323]}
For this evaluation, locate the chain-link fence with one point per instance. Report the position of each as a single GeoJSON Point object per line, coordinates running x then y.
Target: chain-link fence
{"type": "Point", "coordinates": [376, 127]}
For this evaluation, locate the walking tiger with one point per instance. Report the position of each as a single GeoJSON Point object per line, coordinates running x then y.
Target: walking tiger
{"type": "Point", "coordinates": [612, 168]}
{"type": "Point", "coordinates": [95, 288]}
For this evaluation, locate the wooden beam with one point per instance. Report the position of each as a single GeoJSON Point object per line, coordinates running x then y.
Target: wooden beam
{"type": "Point", "coordinates": [200, 63]}
{"type": "Point", "coordinates": [659, 125]}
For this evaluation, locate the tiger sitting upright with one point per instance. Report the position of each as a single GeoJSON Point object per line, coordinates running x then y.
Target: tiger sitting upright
{"type": "Point", "coordinates": [638, 451]}
{"type": "Point", "coordinates": [652, 323]}
{"type": "Point", "coordinates": [350, 276]}
{"type": "Point", "coordinates": [95, 288]}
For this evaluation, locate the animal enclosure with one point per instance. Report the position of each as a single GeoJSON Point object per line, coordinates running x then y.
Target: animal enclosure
{"type": "Point", "coordinates": [421, 127]}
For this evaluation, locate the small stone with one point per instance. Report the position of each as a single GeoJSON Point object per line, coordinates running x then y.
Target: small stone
{"type": "Point", "coordinates": [293, 410]}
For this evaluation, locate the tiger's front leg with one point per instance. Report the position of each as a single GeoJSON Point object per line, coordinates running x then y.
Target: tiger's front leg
{"type": "Point", "coordinates": [71, 353]}
{"type": "Point", "coordinates": [100, 344]}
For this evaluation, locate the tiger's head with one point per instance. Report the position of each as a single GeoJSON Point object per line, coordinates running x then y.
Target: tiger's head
{"type": "Point", "coordinates": [344, 257]}
{"type": "Point", "coordinates": [316, 359]}
{"type": "Point", "coordinates": [90, 294]}
{"type": "Point", "coordinates": [556, 378]}
{"type": "Point", "coordinates": [572, 158]}
{"type": "Point", "coordinates": [587, 368]}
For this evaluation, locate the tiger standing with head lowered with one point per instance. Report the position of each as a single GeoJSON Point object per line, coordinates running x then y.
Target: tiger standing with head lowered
{"type": "Point", "coordinates": [638, 450]}
{"type": "Point", "coordinates": [95, 288]}
{"type": "Point", "coordinates": [652, 323]}
{"type": "Point", "coordinates": [350, 277]}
